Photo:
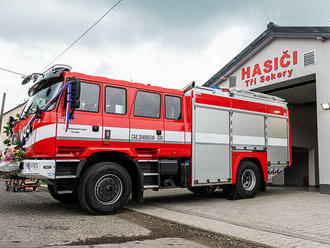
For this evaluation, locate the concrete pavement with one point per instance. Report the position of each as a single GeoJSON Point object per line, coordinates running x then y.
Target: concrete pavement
{"type": "Point", "coordinates": [281, 217]}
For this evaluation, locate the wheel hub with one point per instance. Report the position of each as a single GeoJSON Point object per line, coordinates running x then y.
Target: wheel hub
{"type": "Point", "coordinates": [249, 179]}
{"type": "Point", "coordinates": [108, 189]}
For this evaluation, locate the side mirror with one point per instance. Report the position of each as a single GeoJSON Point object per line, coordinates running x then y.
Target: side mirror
{"type": "Point", "coordinates": [75, 94]}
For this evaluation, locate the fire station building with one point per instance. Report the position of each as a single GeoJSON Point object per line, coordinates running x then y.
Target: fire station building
{"type": "Point", "coordinates": [292, 63]}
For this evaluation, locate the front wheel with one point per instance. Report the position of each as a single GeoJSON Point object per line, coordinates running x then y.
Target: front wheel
{"type": "Point", "coordinates": [247, 180]}
{"type": "Point", "coordinates": [104, 188]}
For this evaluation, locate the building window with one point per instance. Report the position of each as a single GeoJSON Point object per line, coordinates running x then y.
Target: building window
{"type": "Point", "coordinates": [173, 107]}
{"type": "Point", "coordinates": [232, 82]}
{"type": "Point", "coordinates": [309, 58]}
{"type": "Point", "coordinates": [147, 104]}
{"type": "Point", "coordinates": [115, 100]}
{"type": "Point", "coordinates": [89, 97]}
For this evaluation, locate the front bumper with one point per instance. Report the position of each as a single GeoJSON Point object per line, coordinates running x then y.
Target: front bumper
{"type": "Point", "coordinates": [37, 169]}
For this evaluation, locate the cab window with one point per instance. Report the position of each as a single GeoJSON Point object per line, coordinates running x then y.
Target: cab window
{"type": "Point", "coordinates": [147, 104]}
{"type": "Point", "coordinates": [89, 97]}
{"type": "Point", "coordinates": [115, 100]}
{"type": "Point", "coordinates": [173, 107]}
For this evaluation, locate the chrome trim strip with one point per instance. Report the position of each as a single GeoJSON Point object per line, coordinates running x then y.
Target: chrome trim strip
{"type": "Point", "coordinates": [148, 160]}
{"type": "Point", "coordinates": [67, 160]}
{"type": "Point", "coordinates": [65, 177]}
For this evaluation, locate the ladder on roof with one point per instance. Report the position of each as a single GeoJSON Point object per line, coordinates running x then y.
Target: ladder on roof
{"type": "Point", "coordinates": [253, 94]}
{"type": "Point", "coordinates": [235, 92]}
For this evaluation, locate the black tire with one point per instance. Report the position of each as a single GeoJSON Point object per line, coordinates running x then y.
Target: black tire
{"type": "Point", "coordinates": [247, 180]}
{"type": "Point", "coordinates": [202, 190]}
{"type": "Point", "coordinates": [64, 198]}
{"type": "Point", "coordinates": [104, 188]}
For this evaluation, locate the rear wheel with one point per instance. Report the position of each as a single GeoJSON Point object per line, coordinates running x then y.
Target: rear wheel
{"type": "Point", "coordinates": [203, 190]}
{"type": "Point", "coordinates": [104, 188]}
{"type": "Point", "coordinates": [70, 198]}
{"type": "Point", "coordinates": [247, 180]}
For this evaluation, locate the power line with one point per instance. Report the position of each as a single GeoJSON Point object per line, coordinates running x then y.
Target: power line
{"type": "Point", "coordinates": [82, 35]}
{"type": "Point", "coordinates": [14, 72]}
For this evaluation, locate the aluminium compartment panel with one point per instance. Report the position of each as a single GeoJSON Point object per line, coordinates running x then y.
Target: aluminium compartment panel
{"type": "Point", "coordinates": [211, 143]}
{"type": "Point", "coordinates": [248, 131]}
{"type": "Point", "coordinates": [278, 140]}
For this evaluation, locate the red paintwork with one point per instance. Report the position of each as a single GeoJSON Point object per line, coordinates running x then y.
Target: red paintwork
{"type": "Point", "coordinates": [52, 148]}
{"type": "Point", "coordinates": [290, 141]}
{"type": "Point", "coordinates": [237, 157]}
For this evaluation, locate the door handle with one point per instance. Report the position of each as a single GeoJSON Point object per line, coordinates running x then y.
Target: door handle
{"type": "Point", "coordinates": [95, 128]}
{"type": "Point", "coordinates": [159, 132]}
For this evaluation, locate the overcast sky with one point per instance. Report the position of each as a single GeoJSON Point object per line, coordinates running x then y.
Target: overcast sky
{"type": "Point", "coordinates": [162, 42]}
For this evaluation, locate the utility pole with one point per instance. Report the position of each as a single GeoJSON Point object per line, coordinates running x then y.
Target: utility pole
{"type": "Point", "coordinates": [2, 108]}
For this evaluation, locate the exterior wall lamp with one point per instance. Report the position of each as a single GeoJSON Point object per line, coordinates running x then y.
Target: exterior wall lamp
{"type": "Point", "coordinates": [325, 106]}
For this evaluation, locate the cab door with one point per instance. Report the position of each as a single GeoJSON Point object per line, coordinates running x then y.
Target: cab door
{"type": "Point", "coordinates": [146, 125]}
{"type": "Point", "coordinates": [174, 127]}
{"type": "Point", "coordinates": [116, 116]}
{"type": "Point", "coordinates": [85, 126]}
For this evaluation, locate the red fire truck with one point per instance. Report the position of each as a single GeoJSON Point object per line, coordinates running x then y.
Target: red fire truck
{"type": "Point", "coordinates": [100, 141]}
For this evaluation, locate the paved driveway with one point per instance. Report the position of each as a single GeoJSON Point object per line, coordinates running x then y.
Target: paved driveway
{"type": "Point", "coordinates": [36, 220]}
{"type": "Point", "coordinates": [281, 217]}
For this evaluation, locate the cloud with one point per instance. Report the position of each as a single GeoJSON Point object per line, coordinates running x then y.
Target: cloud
{"type": "Point", "coordinates": [168, 43]}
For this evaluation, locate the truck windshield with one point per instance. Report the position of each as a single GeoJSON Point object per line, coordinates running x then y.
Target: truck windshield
{"type": "Point", "coordinates": [42, 97]}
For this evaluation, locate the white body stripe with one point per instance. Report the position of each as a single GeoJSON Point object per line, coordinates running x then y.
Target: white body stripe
{"type": "Point", "coordinates": [78, 132]}
{"type": "Point", "coordinates": [45, 132]}
{"type": "Point", "coordinates": [85, 132]}
{"type": "Point", "coordinates": [212, 138]}
{"type": "Point", "coordinates": [146, 136]}
{"type": "Point", "coordinates": [82, 132]}
{"type": "Point", "coordinates": [277, 142]}
{"type": "Point", "coordinates": [248, 140]}
{"type": "Point", "coordinates": [174, 137]}
{"type": "Point", "coordinates": [30, 140]}
{"type": "Point", "coordinates": [187, 138]}
{"type": "Point", "coordinates": [118, 133]}
{"type": "Point", "coordinates": [41, 133]}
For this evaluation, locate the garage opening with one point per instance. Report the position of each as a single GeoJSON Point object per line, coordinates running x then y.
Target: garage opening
{"type": "Point", "coordinates": [301, 96]}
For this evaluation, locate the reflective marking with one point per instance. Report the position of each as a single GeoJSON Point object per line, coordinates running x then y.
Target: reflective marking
{"type": "Point", "coordinates": [78, 131]}
{"type": "Point", "coordinates": [145, 136]}
{"type": "Point", "coordinates": [277, 142]}
{"type": "Point", "coordinates": [117, 133]}
{"type": "Point", "coordinates": [78, 138]}
{"type": "Point", "coordinates": [248, 140]}
{"type": "Point", "coordinates": [187, 137]}
{"type": "Point", "coordinates": [174, 137]}
{"type": "Point", "coordinates": [212, 138]}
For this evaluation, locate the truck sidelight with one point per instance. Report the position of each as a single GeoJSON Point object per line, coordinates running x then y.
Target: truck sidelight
{"type": "Point", "coordinates": [128, 137]}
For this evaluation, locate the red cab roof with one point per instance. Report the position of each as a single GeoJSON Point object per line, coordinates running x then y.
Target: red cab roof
{"type": "Point", "coordinates": [121, 83]}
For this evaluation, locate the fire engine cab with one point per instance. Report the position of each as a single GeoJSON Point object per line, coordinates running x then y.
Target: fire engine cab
{"type": "Point", "coordinates": [100, 142]}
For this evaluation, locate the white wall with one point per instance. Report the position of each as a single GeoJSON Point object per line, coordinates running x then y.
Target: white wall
{"type": "Point", "coordinates": [321, 68]}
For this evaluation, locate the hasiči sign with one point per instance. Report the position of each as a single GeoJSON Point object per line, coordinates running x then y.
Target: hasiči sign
{"type": "Point", "coordinates": [271, 69]}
